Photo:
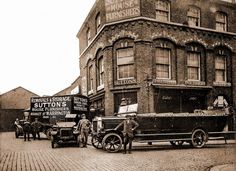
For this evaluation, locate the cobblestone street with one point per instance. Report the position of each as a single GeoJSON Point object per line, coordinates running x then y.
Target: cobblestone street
{"type": "Point", "coordinates": [38, 155]}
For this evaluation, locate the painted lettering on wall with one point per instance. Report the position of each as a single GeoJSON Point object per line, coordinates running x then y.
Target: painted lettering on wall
{"type": "Point", "coordinates": [121, 9]}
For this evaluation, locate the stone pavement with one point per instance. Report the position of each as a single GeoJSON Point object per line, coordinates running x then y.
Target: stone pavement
{"type": "Point", "coordinates": [39, 156]}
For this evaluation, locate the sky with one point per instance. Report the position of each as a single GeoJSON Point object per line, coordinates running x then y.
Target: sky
{"type": "Point", "coordinates": [39, 49]}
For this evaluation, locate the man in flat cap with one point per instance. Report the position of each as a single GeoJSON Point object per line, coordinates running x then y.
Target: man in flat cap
{"type": "Point", "coordinates": [84, 128]}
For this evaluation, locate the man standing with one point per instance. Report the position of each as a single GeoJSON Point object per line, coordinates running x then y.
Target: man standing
{"type": "Point", "coordinates": [84, 127]}
{"type": "Point", "coordinates": [36, 125]}
{"type": "Point", "coordinates": [27, 129]}
{"type": "Point", "coordinates": [129, 125]}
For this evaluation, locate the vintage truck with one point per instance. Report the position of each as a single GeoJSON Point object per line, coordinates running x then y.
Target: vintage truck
{"type": "Point", "coordinates": [51, 109]}
{"type": "Point", "coordinates": [64, 132]}
{"type": "Point", "coordinates": [194, 128]}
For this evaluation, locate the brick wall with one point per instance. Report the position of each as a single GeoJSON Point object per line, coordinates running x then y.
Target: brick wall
{"type": "Point", "coordinates": [18, 98]}
{"type": "Point", "coordinates": [144, 33]}
{"type": "Point", "coordinates": [8, 117]}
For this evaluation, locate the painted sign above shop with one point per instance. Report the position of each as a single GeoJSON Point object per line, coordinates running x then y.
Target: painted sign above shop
{"type": "Point", "coordinates": [121, 9]}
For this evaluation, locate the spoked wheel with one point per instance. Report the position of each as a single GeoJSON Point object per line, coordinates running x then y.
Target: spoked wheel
{"type": "Point", "coordinates": [199, 138]}
{"type": "Point", "coordinates": [112, 142]}
{"type": "Point", "coordinates": [177, 143]}
{"type": "Point", "coordinates": [96, 143]}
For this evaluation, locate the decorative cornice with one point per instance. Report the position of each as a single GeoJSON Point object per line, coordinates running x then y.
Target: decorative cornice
{"type": "Point", "coordinates": [165, 35]}
{"type": "Point", "coordinates": [223, 44]}
{"type": "Point", "coordinates": [123, 34]}
{"type": "Point", "coordinates": [170, 25]}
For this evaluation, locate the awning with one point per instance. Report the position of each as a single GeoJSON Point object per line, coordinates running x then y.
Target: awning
{"type": "Point", "coordinates": [181, 87]}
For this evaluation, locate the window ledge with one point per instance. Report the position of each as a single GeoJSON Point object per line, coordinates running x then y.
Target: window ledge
{"type": "Point", "coordinates": [100, 87]}
{"type": "Point", "coordinates": [90, 92]}
{"type": "Point", "coordinates": [196, 83]}
{"type": "Point", "coordinates": [164, 81]}
{"type": "Point", "coordinates": [221, 84]}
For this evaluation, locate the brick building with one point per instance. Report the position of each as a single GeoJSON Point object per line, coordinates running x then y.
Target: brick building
{"type": "Point", "coordinates": [167, 55]}
{"type": "Point", "coordinates": [17, 98]}
{"type": "Point", "coordinates": [13, 103]}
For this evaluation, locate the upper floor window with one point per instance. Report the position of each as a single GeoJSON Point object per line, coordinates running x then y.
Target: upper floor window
{"type": "Point", "coordinates": [90, 78]}
{"type": "Point", "coordinates": [88, 36]}
{"type": "Point", "coordinates": [193, 65]}
{"type": "Point", "coordinates": [98, 21]}
{"type": "Point", "coordinates": [100, 71]}
{"type": "Point", "coordinates": [125, 63]}
{"type": "Point", "coordinates": [220, 67]}
{"type": "Point", "coordinates": [163, 64]}
{"type": "Point", "coordinates": [221, 21]}
{"type": "Point", "coordinates": [193, 16]}
{"type": "Point", "coordinates": [162, 10]}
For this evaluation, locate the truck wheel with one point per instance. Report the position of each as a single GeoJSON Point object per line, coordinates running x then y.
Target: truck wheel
{"type": "Point", "coordinates": [96, 143]}
{"type": "Point", "coordinates": [177, 143]}
{"type": "Point", "coordinates": [199, 138]}
{"type": "Point", "coordinates": [112, 142]}
{"type": "Point", "coordinates": [52, 142]}
{"type": "Point", "coordinates": [16, 133]}
{"type": "Point", "coordinates": [48, 133]}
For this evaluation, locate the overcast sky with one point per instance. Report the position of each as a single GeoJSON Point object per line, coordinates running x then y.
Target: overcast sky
{"type": "Point", "coordinates": [39, 49]}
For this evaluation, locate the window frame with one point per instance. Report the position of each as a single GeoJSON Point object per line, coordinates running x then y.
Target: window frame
{"type": "Point", "coordinates": [194, 17]}
{"type": "Point", "coordinates": [98, 24]}
{"type": "Point", "coordinates": [117, 65]}
{"type": "Point", "coordinates": [100, 71]}
{"type": "Point", "coordinates": [217, 21]}
{"type": "Point", "coordinates": [225, 66]}
{"type": "Point", "coordinates": [199, 65]}
{"type": "Point", "coordinates": [90, 79]}
{"type": "Point", "coordinates": [158, 9]}
{"type": "Point", "coordinates": [88, 36]}
{"type": "Point", "coordinates": [169, 64]}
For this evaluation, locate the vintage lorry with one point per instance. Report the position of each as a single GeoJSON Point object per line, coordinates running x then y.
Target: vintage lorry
{"type": "Point", "coordinates": [51, 109]}
{"type": "Point", "coordinates": [194, 128]}
{"type": "Point", "coordinates": [64, 132]}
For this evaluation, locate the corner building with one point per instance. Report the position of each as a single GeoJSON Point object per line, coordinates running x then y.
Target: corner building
{"type": "Point", "coordinates": [165, 55]}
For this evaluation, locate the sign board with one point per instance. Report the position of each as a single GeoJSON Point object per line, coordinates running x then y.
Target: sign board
{"type": "Point", "coordinates": [133, 108]}
{"type": "Point", "coordinates": [80, 104]}
{"type": "Point", "coordinates": [56, 106]}
{"type": "Point", "coordinates": [121, 9]}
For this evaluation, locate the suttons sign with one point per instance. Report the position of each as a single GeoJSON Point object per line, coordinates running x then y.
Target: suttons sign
{"type": "Point", "coordinates": [121, 9]}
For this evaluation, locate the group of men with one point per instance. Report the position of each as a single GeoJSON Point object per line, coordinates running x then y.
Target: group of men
{"type": "Point", "coordinates": [33, 128]}
{"type": "Point", "coordinates": [129, 125]}
{"type": "Point", "coordinates": [84, 125]}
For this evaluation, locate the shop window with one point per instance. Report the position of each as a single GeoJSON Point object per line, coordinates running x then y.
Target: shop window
{"type": "Point", "coordinates": [221, 21]}
{"type": "Point", "coordinates": [100, 71]}
{"type": "Point", "coordinates": [125, 63]}
{"type": "Point", "coordinates": [193, 65]}
{"type": "Point", "coordinates": [220, 68]}
{"type": "Point", "coordinates": [163, 64]}
{"type": "Point", "coordinates": [130, 98]}
{"type": "Point", "coordinates": [162, 10]}
{"type": "Point", "coordinates": [193, 16]}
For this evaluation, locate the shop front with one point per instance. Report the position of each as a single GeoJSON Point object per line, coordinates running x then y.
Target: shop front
{"type": "Point", "coordinates": [179, 100]}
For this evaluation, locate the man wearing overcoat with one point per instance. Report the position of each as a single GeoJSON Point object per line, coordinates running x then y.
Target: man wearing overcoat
{"type": "Point", "coordinates": [129, 125]}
